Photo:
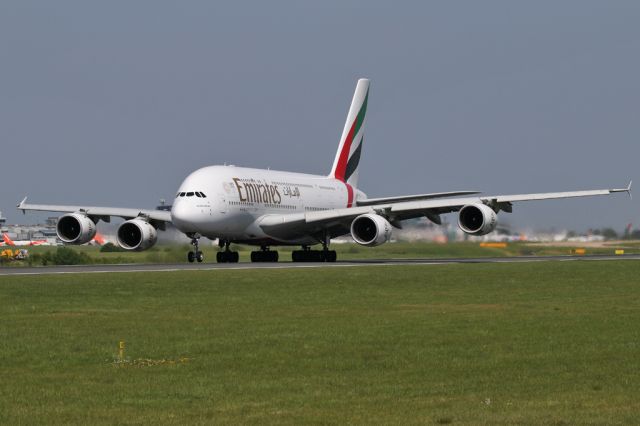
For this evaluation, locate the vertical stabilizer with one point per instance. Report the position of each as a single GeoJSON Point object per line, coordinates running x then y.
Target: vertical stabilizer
{"type": "Point", "coordinates": [345, 165]}
{"type": "Point", "coordinates": [8, 241]}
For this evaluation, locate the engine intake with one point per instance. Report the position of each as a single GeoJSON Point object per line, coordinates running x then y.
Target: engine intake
{"type": "Point", "coordinates": [137, 234]}
{"type": "Point", "coordinates": [370, 230]}
{"type": "Point", "coordinates": [477, 219]}
{"type": "Point", "coordinates": [75, 228]}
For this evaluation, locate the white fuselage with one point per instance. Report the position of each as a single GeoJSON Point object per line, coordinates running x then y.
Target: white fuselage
{"type": "Point", "coordinates": [236, 198]}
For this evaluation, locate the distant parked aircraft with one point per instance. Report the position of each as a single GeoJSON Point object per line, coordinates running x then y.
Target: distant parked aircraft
{"type": "Point", "coordinates": [9, 242]}
{"type": "Point", "coordinates": [99, 239]}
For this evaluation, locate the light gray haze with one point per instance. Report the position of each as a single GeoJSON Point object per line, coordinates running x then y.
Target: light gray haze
{"type": "Point", "coordinates": [114, 103]}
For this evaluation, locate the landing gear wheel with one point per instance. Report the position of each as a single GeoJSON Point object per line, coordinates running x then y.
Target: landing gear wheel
{"type": "Point", "coordinates": [227, 257]}
{"type": "Point", "coordinates": [307, 255]}
{"type": "Point", "coordinates": [264, 256]}
{"type": "Point", "coordinates": [192, 256]}
{"type": "Point", "coordinates": [311, 256]}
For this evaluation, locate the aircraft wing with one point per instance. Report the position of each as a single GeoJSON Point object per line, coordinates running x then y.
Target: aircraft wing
{"type": "Point", "coordinates": [376, 201]}
{"type": "Point", "coordinates": [337, 221]}
{"type": "Point", "coordinates": [408, 210]}
{"type": "Point", "coordinates": [103, 213]}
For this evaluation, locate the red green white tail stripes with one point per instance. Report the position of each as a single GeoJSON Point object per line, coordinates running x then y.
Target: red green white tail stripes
{"type": "Point", "coordinates": [345, 165]}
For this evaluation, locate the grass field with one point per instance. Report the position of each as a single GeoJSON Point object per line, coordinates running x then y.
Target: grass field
{"type": "Point", "coordinates": [177, 253]}
{"type": "Point", "coordinates": [537, 343]}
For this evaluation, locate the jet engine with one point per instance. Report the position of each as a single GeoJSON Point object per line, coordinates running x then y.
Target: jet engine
{"type": "Point", "coordinates": [477, 219]}
{"type": "Point", "coordinates": [137, 234]}
{"type": "Point", "coordinates": [75, 228]}
{"type": "Point", "coordinates": [370, 230]}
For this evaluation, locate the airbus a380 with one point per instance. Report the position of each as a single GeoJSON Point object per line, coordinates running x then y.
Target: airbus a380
{"type": "Point", "coordinates": [268, 208]}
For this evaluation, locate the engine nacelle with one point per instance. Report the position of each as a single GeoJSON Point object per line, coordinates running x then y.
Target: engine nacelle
{"type": "Point", "coordinates": [477, 219]}
{"type": "Point", "coordinates": [137, 234]}
{"type": "Point", "coordinates": [75, 228]}
{"type": "Point", "coordinates": [370, 230]}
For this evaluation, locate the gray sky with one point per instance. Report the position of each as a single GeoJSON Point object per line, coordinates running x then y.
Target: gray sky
{"type": "Point", "coordinates": [114, 103]}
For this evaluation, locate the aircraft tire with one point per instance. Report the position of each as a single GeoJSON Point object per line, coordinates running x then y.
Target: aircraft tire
{"type": "Point", "coordinates": [300, 256]}
{"type": "Point", "coordinates": [264, 256]}
{"type": "Point", "coordinates": [314, 256]}
{"type": "Point", "coordinates": [191, 256]}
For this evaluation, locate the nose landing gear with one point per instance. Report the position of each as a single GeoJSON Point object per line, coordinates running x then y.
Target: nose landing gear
{"type": "Point", "coordinates": [192, 256]}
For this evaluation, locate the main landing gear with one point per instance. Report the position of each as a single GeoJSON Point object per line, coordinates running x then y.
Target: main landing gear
{"type": "Point", "coordinates": [227, 256]}
{"type": "Point", "coordinates": [308, 255]}
{"type": "Point", "coordinates": [197, 254]}
{"type": "Point", "coordinates": [264, 255]}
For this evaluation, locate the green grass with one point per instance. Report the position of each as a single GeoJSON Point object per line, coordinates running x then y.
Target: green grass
{"type": "Point", "coordinates": [539, 343]}
{"type": "Point", "coordinates": [177, 253]}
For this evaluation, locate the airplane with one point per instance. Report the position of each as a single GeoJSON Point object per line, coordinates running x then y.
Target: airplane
{"type": "Point", "coordinates": [98, 240]}
{"type": "Point", "coordinates": [267, 208]}
{"type": "Point", "coordinates": [9, 242]}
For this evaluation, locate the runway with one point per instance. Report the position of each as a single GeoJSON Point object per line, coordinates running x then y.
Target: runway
{"type": "Point", "coordinates": [88, 269]}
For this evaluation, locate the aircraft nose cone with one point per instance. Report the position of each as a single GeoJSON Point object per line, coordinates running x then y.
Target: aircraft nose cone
{"type": "Point", "coordinates": [182, 217]}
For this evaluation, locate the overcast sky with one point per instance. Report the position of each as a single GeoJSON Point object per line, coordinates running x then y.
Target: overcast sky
{"type": "Point", "coordinates": [114, 103]}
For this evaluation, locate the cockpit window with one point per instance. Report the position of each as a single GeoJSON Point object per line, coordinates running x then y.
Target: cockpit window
{"type": "Point", "coordinates": [203, 196]}
{"type": "Point", "coordinates": [182, 194]}
{"type": "Point", "coordinates": [189, 194]}
{"type": "Point", "coordinates": [198, 194]}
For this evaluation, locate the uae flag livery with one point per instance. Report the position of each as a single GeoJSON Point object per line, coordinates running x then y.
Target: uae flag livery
{"type": "Point", "coordinates": [345, 165]}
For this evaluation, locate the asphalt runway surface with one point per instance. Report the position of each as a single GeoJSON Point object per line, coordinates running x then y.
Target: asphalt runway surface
{"type": "Point", "coordinates": [83, 269]}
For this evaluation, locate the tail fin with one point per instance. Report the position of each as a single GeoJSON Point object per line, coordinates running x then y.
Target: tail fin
{"type": "Point", "coordinates": [8, 240]}
{"type": "Point", "coordinates": [99, 239]}
{"type": "Point", "coordinates": [345, 165]}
